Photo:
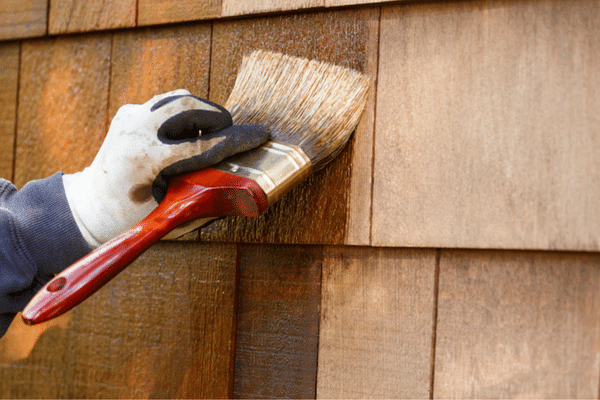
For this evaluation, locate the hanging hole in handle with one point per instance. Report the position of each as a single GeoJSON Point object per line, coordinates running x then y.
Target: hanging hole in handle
{"type": "Point", "coordinates": [57, 284]}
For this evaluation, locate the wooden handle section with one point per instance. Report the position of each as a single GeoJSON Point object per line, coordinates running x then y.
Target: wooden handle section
{"type": "Point", "coordinates": [205, 194]}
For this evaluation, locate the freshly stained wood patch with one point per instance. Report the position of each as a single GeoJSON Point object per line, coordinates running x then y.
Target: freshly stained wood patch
{"type": "Point", "coordinates": [236, 7]}
{"type": "Point", "coordinates": [9, 75]}
{"type": "Point", "coordinates": [63, 98]}
{"type": "Point", "coordinates": [152, 12]}
{"type": "Point", "coordinates": [319, 210]}
{"type": "Point", "coordinates": [518, 324]}
{"type": "Point", "coordinates": [78, 16]}
{"type": "Point", "coordinates": [21, 19]}
{"type": "Point", "coordinates": [153, 61]}
{"type": "Point", "coordinates": [377, 323]}
{"type": "Point", "coordinates": [278, 321]}
{"type": "Point", "coordinates": [162, 328]}
{"type": "Point", "coordinates": [488, 132]}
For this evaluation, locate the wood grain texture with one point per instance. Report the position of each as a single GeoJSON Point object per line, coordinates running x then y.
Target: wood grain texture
{"type": "Point", "coordinates": [161, 329]}
{"type": "Point", "coordinates": [377, 323]}
{"type": "Point", "coordinates": [151, 12]}
{"type": "Point", "coordinates": [488, 125]}
{"type": "Point", "coordinates": [63, 100]}
{"type": "Point", "coordinates": [278, 321]}
{"type": "Point", "coordinates": [90, 15]}
{"type": "Point", "coordinates": [236, 7]}
{"type": "Point", "coordinates": [358, 228]}
{"type": "Point", "coordinates": [518, 324]}
{"type": "Point", "coordinates": [318, 210]}
{"type": "Point", "coordinates": [9, 76]}
{"type": "Point", "coordinates": [22, 19]}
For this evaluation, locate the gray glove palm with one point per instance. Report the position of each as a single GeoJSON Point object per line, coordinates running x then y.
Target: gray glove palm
{"type": "Point", "coordinates": [146, 144]}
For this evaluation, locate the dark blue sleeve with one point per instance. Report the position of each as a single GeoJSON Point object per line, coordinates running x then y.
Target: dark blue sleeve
{"type": "Point", "coordinates": [38, 239]}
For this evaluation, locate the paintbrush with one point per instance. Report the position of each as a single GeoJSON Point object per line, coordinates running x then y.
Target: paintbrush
{"type": "Point", "coordinates": [311, 109]}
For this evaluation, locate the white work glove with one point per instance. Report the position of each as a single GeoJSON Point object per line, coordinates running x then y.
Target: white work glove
{"type": "Point", "coordinates": [171, 134]}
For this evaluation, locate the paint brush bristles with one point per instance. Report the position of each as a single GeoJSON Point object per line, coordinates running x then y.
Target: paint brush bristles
{"type": "Point", "coordinates": [309, 104]}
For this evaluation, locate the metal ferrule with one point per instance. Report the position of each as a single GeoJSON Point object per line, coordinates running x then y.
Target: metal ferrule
{"type": "Point", "coordinates": [276, 167]}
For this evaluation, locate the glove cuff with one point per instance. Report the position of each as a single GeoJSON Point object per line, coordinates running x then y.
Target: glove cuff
{"type": "Point", "coordinates": [74, 190]}
{"type": "Point", "coordinates": [97, 211]}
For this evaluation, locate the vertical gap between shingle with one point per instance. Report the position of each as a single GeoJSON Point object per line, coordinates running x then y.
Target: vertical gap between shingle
{"type": "Point", "coordinates": [436, 288]}
{"type": "Point", "coordinates": [48, 17]}
{"type": "Point", "coordinates": [110, 69]}
{"type": "Point", "coordinates": [374, 126]}
{"type": "Point", "coordinates": [319, 320]}
{"type": "Point", "coordinates": [210, 51]}
{"type": "Point", "coordinates": [234, 321]}
{"type": "Point", "coordinates": [15, 136]}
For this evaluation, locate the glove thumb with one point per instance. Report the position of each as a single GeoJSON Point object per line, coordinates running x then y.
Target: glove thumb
{"type": "Point", "coordinates": [225, 143]}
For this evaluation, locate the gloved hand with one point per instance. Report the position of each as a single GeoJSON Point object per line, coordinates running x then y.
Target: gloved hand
{"type": "Point", "coordinates": [171, 134]}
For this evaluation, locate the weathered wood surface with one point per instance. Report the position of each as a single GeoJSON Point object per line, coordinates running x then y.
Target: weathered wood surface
{"type": "Point", "coordinates": [518, 325]}
{"type": "Point", "coordinates": [151, 12]}
{"type": "Point", "coordinates": [278, 321]}
{"type": "Point", "coordinates": [236, 7]}
{"type": "Point", "coordinates": [318, 210]}
{"type": "Point", "coordinates": [90, 15]}
{"type": "Point", "coordinates": [63, 96]}
{"type": "Point", "coordinates": [377, 323]}
{"type": "Point", "coordinates": [358, 228]}
{"type": "Point", "coordinates": [9, 77]}
{"type": "Point", "coordinates": [337, 3]}
{"type": "Point", "coordinates": [22, 19]}
{"type": "Point", "coordinates": [163, 328]}
{"type": "Point", "coordinates": [488, 125]}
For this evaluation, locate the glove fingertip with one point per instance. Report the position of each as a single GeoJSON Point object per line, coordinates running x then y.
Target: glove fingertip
{"type": "Point", "coordinates": [251, 135]}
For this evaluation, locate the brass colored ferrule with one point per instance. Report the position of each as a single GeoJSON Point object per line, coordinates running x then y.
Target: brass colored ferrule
{"type": "Point", "coordinates": [276, 167]}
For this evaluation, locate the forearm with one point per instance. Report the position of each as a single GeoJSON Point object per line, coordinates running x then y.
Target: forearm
{"type": "Point", "coordinates": [38, 238]}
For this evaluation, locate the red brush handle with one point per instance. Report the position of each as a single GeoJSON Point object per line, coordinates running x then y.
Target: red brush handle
{"type": "Point", "coordinates": [205, 194]}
